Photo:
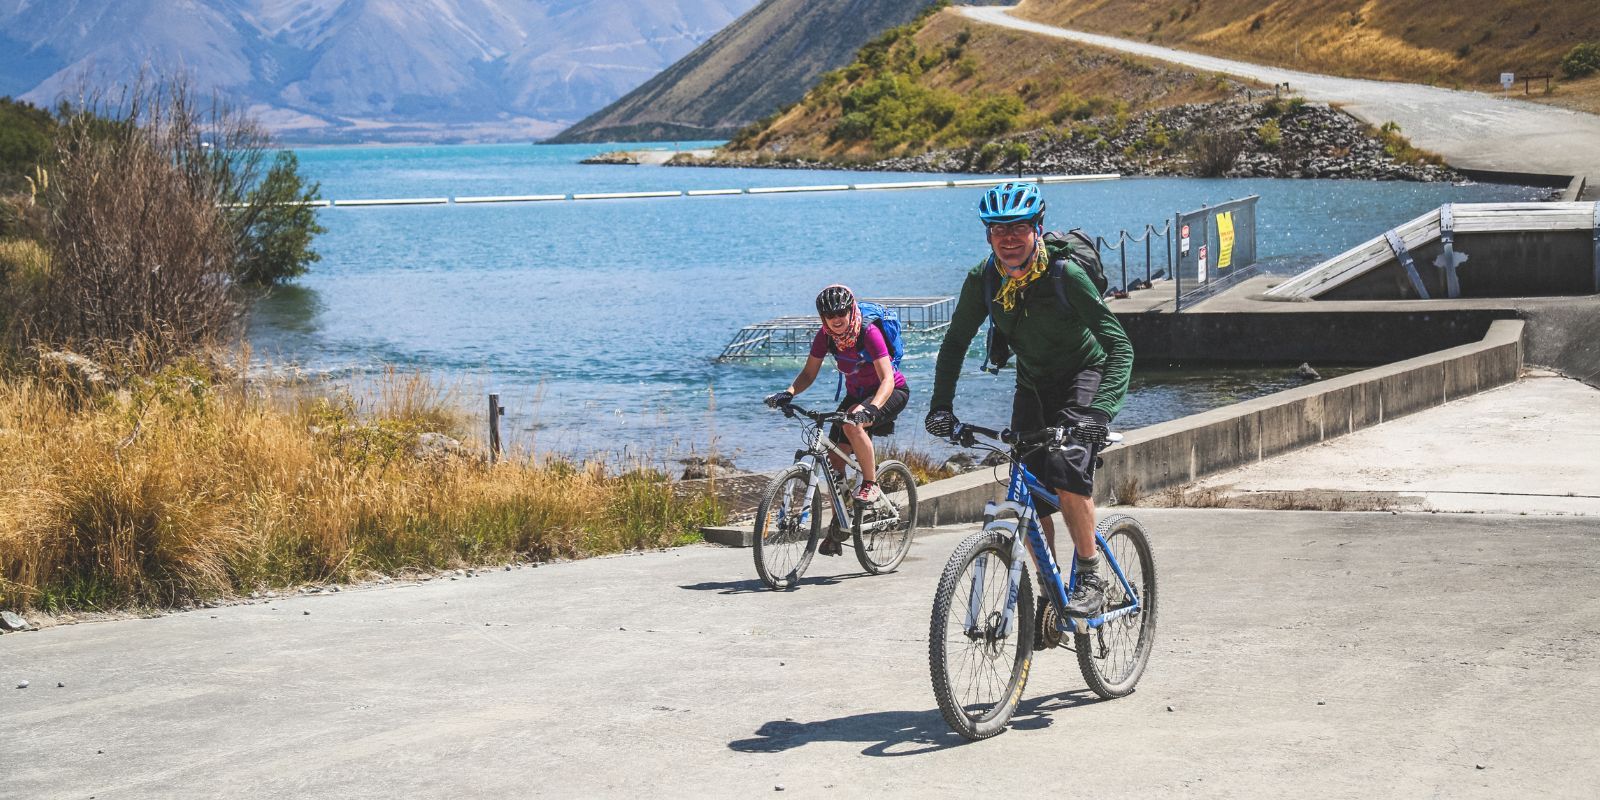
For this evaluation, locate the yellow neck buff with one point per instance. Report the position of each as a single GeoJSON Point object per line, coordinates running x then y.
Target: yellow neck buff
{"type": "Point", "coordinates": [1012, 288]}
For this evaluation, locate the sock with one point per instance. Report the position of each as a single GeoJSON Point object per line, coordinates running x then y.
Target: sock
{"type": "Point", "coordinates": [1087, 564]}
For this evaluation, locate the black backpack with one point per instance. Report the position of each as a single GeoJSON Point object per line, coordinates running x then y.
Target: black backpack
{"type": "Point", "coordinates": [1073, 246]}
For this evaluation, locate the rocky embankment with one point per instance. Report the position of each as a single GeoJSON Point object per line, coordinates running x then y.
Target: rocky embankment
{"type": "Point", "coordinates": [1272, 139]}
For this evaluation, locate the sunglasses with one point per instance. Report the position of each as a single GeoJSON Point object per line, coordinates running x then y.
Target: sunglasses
{"type": "Point", "coordinates": [1010, 229]}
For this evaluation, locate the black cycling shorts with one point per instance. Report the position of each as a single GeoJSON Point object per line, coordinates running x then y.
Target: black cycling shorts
{"type": "Point", "coordinates": [884, 425]}
{"type": "Point", "coordinates": [1070, 470]}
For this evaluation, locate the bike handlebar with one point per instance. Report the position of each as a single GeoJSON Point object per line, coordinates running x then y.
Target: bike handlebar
{"type": "Point", "coordinates": [1090, 432]}
{"type": "Point", "coordinates": [790, 409]}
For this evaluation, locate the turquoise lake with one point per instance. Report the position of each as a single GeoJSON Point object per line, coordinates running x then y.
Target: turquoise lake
{"type": "Point", "coordinates": [598, 321]}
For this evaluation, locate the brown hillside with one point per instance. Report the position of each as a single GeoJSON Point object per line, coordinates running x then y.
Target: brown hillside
{"type": "Point", "coordinates": [973, 71]}
{"type": "Point", "coordinates": [766, 59]}
{"type": "Point", "coordinates": [1465, 43]}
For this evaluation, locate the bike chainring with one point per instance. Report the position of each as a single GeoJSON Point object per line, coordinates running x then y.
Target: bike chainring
{"type": "Point", "coordinates": [1047, 633]}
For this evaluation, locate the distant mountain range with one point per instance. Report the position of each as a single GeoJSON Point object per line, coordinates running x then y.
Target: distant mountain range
{"type": "Point", "coordinates": [768, 58]}
{"type": "Point", "coordinates": [348, 70]}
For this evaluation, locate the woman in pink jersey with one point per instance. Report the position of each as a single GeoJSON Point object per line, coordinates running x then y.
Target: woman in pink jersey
{"type": "Point", "coordinates": [875, 392]}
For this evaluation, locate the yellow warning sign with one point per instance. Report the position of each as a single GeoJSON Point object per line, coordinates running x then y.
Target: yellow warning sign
{"type": "Point", "coordinates": [1225, 240]}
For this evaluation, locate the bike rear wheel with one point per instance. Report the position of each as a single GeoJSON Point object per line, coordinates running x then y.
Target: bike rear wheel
{"type": "Point", "coordinates": [787, 524]}
{"type": "Point", "coordinates": [1112, 657]}
{"type": "Point", "coordinates": [881, 549]}
{"type": "Point", "coordinates": [979, 669]}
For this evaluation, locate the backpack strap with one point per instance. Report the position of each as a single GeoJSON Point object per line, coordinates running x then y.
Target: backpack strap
{"type": "Point", "coordinates": [1058, 279]}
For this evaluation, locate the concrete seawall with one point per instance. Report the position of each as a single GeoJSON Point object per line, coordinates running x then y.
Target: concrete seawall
{"type": "Point", "coordinates": [1183, 450]}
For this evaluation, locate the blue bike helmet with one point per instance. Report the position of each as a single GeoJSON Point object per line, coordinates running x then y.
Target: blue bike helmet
{"type": "Point", "coordinates": [1011, 202]}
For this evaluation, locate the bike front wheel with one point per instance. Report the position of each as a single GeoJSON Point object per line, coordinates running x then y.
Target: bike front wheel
{"type": "Point", "coordinates": [1112, 657]}
{"type": "Point", "coordinates": [883, 529]}
{"type": "Point", "coordinates": [787, 524]}
{"type": "Point", "coordinates": [979, 654]}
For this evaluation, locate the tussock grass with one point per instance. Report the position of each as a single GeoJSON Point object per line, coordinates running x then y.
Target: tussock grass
{"type": "Point", "coordinates": [924, 466]}
{"type": "Point", "coordinates": [194, 484]}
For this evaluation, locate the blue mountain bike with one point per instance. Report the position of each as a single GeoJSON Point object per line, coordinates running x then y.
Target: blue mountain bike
{"type": "Point", "coordinates": [985, 627]}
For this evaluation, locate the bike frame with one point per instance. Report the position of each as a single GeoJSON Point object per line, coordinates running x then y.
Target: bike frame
{"type": "Point", "coordinates": [813, 459]}
{"type": "Point", "coordinates": [1021, 490]}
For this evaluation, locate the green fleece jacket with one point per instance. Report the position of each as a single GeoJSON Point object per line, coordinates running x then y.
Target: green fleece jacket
{"type": "Point", "coordinates": [1049, 342]}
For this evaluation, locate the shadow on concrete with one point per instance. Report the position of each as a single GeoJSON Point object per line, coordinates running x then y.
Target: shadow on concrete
{"type": "Point", "coordinates": [900, 733]}
{"type": "Point", "coordinates": [886, 733]}
{"type": "Point", "coordinates": [755, 585]}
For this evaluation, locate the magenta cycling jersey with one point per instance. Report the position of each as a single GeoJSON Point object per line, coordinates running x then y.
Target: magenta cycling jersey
{"type": "Point", "coordinates": [860, 378]}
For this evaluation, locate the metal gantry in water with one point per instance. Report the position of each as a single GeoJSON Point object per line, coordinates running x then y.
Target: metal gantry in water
{"type": "Point", "coordinates": [792, 335]}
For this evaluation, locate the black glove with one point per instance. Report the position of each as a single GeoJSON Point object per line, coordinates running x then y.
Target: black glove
{"type": "Point", "coordinates": [1087, 425]}
{"type": "Point", "coordinates": [779, 399]}
{"type": "Point", "coordinates": [868, 413]}
{"type": "Point", "coordinates": [940, 422]}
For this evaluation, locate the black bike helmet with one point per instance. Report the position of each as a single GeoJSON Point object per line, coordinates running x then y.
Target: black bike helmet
{"type": "Point", "coordinates": [834, 300]}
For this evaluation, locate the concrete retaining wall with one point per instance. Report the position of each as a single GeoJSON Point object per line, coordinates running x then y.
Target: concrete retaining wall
{"type": "Point", "coordinates": [1184, 450]}
{"type": "Point", "coordinates": [1318, 335]}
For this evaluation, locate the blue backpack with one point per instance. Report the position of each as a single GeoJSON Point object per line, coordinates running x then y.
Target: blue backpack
{"type": "Point", "coordinates": [888, 323]}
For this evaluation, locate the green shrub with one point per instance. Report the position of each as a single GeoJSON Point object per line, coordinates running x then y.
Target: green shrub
{"type": "Point", "coordinates": [1270, 134]}
{"type": "Point", "coordinates": [989, 154]}
{"type": "Point", "coordinates": [1018, 153]}
{"type": "Point", "coordinates": [25, 133]}
{"type": "Point", "coordinates": [1581, 60]}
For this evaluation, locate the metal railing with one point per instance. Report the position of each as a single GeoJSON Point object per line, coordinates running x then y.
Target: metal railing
{"type": "Point", "coordinates": [1150, 232]}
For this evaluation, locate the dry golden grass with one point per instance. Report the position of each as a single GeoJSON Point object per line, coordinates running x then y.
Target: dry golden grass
{"type": "Point", "coordinates": [1465, 44]}
{"type": "Point", "coordinates": [1578, 95]}
{"type": "Point", "coordinates": [924, 466]}
{"type": "Point", "coordinates": [190, 485]}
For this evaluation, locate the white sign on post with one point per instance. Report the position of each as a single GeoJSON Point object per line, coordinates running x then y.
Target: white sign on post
{"type": "Point", "coordinates": [1202, 263]}
{"type": "Point", "coordinates": [1183, 242]}
{"type": "Point", "coordinates": [1506, 79]}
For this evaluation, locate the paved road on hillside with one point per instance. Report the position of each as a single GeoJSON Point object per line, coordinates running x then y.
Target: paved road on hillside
{"type": "Point", "coordinates": [1300, 654]}
{"type": "Point", "coordinates": [1470, 129]}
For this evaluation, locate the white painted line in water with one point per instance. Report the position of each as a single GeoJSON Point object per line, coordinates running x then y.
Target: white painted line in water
{"type": "Point", "coordinates": [512, 198]}
{"type": "Point", "coordinates": [837, 187]}
{"type": "Point", "coordinates": [1108, 176]}
{"type": "Point", "coordinates": [834, 187]}
{"type": "Point", "coordinates": [904, 185]}
{"type": "Point", "coordinates": [408, 201]}
{"type": "Point", "coordinates": [624, 195]}
{"type": "Point", "coordinates": [987, 181]}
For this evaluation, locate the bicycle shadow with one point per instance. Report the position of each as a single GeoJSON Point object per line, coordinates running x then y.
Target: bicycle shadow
{"type": "Point", "coordinates": [890, 734]}
{"type": "Point", "coordinates": [751, 585]}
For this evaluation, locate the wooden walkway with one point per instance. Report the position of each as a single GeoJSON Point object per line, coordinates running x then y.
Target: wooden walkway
{"type": "Point", "coordinates": [1443, 225]}
{"type": "Point", "coordinates": [792, 335]}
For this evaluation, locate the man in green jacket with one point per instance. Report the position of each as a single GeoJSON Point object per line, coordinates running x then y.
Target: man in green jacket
{"type": "Point", "coordinates": [1073, 362]}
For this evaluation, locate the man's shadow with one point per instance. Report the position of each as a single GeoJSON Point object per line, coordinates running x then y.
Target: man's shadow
{"type": "Point", "coordinates": [900, 733]}
{"type": "Point", "coordinates": [755, 585]}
